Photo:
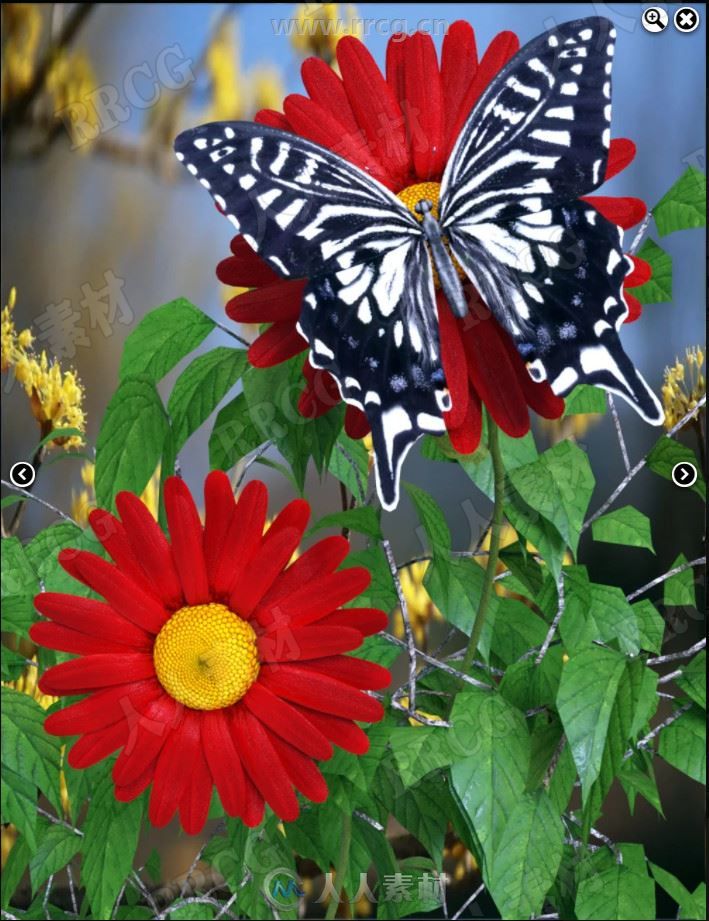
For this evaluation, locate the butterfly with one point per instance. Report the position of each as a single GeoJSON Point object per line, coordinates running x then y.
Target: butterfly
{"type": "Point", "coordinates": [549, 267]}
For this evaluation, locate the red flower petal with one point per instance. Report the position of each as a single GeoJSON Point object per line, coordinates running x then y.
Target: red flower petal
{"type": "Point", "coordinates": [54, 636]}
{"type": "Point", "coordinates": [634, 307]}
{"type": "Point", "coordinates": [279, 343]}
{"type": "Point", "coordinates": [94, 618]}
{"type": "Point", "coordinates": [129, 792]}
{"type": "Point", "coordinates": [243, 537]}
{"type": "Point", "coordinates": [342, 732]}
{"type": "Point", "coordinates": [493, 376]}
{"type": "Point", "coordinates": [224, 762]}
{"type": "Point", "coordinates": [197, 795]}
{"type": "Point", "coordinates": [423, 106]}
{"type": "Point", "coordinates": [286, 721]}
{"type": "Point", "coordinates": [465, 438]}
{"type": "Point", "coordinates": [503, 47]}
{"type": "Point", "coordinates": [245, 268]}
{"type": "Point", "coordinates": [625, 212]}
{"type": "Point", "coordinates": [639, 275]}
{"type": "Point", "coordinates": [459, 63]}
{"type": "Point", "coordinates": [317, 124]}
{"type": "Point", "coordinates": [150, 727]}
{"type": "Point", "coordinates": [173, 770]}
{"type": "Point", "coordinates": [454, 363]}
{"type": "Point", "coordinates": [260, 573]}
{"type": "Point", "coordinates": [303, 686]}
{"type": "Point", "coordinates": [376, 109]}
{"type": "Point", "coordinates": [621, 153]}
{"type": "Point", "coordinates": [272, 303]}
{"type": "Point", "coordinates": [356, 424]}
{"type": "Point", "coordinates": [253, 804]}
{"type": "Point", "coordinates": [218, 512]}
{"type": "Point", "coordinates": [317, 598]}
{"type": "Point", "coordinates": [539, 396]}
{"type": "Point", "coordinates": [272, 118]}
{"type": "Point", "coordinates": [289, 644]}
{"type": "Point", "coordinates": [151, 548]}
{"type": "Point", "coordinates": [116, 542]}
{"type": "Point", "coordinates": [358, 672]}
{"type": "Point", "coordinates": [95, 746]}
{"type": "Point", "coordinates": [77, 676]}
{"type": "Point", "coordinates": [320, 559]}
{"type": "Point", "coordinates": [367, 620]}
{"type": "Point", "coordinates": [302, 772]}
{"type": "Point", "coordinates": [186, 536]}
{"type": "Point", "coordinates": [263, 765]}
{"type": "Point", "coordinates": [101, 709]}
{"type": "Point", "coordinates": [326, 89]}
{"type": "Point", "coordinates": [120, 592]}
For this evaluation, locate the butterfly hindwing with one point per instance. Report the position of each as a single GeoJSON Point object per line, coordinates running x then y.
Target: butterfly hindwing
{"type": "Point", "coordinates": [539, 134]}
{"type": "Point", "coordinates": [375, 328]}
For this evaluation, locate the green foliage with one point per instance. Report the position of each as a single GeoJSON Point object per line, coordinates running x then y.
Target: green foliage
{"type": "Point", "coordinates": [684, 205]}
{"type": "Point", "coordinates": [683, 744]}
{"type": "Point", "coordinates": [624, 526]}
{"type": "Point", "coordinates": [585, 399]}
{"type": "Point", "coordinates": [666, 453]}
{"type": "Point", "coordinates": [658, 290]}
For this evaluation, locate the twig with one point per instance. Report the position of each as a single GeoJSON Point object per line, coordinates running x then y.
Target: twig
{"type": "Point", "coordinates": [436, 663]}
{"type": "Point", "coordinates": [249, 460]}
{"type": "Point", "coordinates": [639, 466]}
{"type": "Point", "coordinates": [368, 819]}
{"type": "Point", "coordinates": [72, 889]}
{"type": "Point", "coordinates": [478, 892]}
{"type": "Point", "coordinates": [647, 740]}
{"type": "Point", "coordinates": [29, 495]}
{"type": "Point", "coordinates": [45, 900]}
{"type": "Point", "coordinates": [619, 432]}
{"type": "Point", "coordinates": [558, 751]}
{"type": "Point", "coordinates": [408, 632]}
{"type": "Point", "coordinates": [670, 676]}
{"type": "Point", "coordinates": [230, 332]}
{"type": "Point", "coordinates": [675, 656]}
{"type": "Point", "coordinates": [355, 470]}
{"type": "Point", "coordinates": [700, 561]}
{"type": "Point", "coordinates": [640, 233]}
{"type": "Point", "coordinates": [555, 623]}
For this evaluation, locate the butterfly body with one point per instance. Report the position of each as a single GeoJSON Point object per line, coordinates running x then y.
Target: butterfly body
{"type": "Point", "coordinates": [548, 266]}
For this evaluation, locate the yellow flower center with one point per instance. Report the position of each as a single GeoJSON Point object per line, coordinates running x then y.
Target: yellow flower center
{"type": "Point", "coordinates": [411, 196]}
{"type": "Point", "coordinates": [206, 657]}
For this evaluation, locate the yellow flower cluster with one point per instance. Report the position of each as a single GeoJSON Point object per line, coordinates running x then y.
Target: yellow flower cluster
{"type": "Point", "coordinates": [318, 27]}
{"type": "Point", "coordinates": [71, 80]}
{"type": "Point", "coordinates": [56, 396]}
{"type": "Point", "coordinates": [684, 386]}
{"type": "Point", "coordinates": [418, 603]}
{"type": "Point", "coordinates": [22, 27]}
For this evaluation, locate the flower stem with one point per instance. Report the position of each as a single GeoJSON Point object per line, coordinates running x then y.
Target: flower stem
{"type": "Point", "coordinates": [495, 532]}
{"type": "Point", "coordinates": [341, 868]}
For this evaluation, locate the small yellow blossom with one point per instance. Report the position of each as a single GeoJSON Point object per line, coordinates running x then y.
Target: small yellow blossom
{"type": "Point", "coordinates": [318, 27]}
{"type": "Point", "coordinates": [84, 501]}
{"type": "Point", "coordinates": [265, 88]}
{"type": "Point", "coordinates": [418, 603]}
{"type": "Point", "coordinates": [22, 27]}
{"type": "Point", "coordinates": [684, 386]}
{"type": "Point", "coordinates": [56, 396]}
{"type": "Point", "coordinates": [222, 65]}
{"type": "Point", "coordinates": [70, 82]}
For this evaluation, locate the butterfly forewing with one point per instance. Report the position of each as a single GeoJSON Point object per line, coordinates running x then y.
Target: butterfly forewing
{"type": "Point", "coordinates": [539, 135]}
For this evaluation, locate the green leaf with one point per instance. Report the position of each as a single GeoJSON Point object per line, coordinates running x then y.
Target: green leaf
{"type": "Point", "coordinates": [26, 748]}
{"type": "Point", "coordinates": [516, 629]}
{"type": "Point", "coordinates": [683, 744]}
{"type": "Point", "coordinates": [684, 206]}
{"type": "Point", "coordinates": [234, 435]}
{"type": "Point", "coordinates": [201, 387]}
{"type": "Point", "coordinates": [651, 625]}
{"type": "Point", "coordinates": [679, 590]}
{"type": "Point", "coordinates": [18, 575]}
{"type": "Point", "coordinates": [616, 894]}
{"type": "Point", "coordinates": [527, 858]}
{"type": "Point", "coordinates": [585, 399]}
{"type": "Point", "coordinates": [381, 592]}
{"type": "Point", "coordinates": [421, 809]}
{"type": "Point", "coordinates": [693, 679]}
{"type": "Point", "coordinates": [490, 771]}
{"type": "Point", "coordinates": [272, 395]}
{"type": "Point", "coordinates": [14, 869]}
{"type": "Point", "coordinates": [528, 685]}
{"type": "Point", "coordinates": [349, 462]}
{"type": "Point", "coordinates": [558, 485]}
{"type": "Point", "coordinates": [594, 612]}
{"type": "Point", "coordinates": [18, 804]}
{"type": "Point", "coordinates": [637, 777]}
{"type": "Point", "coordinates": [587, 691]}
{"type": "Point", "coordinates": [432, 519]}
{"type": "Point", "coordinates": [454, 586]}
{"type": "Point", "coordinates": [57, 846]}
{"type": "Point", "coordinates": [658, 290]}
{"type": "Point", "coordinates": [131, 439]}
{"type": "Point", "coordinates": [153, 866]}
{"type": "Point", "coordinates": [666, 453]}
{"type": "Point", "coordinates": [110, 840]}
{"type": "Point", "coordinates": [363, 520]}
{"type": "Point", "coordinates": [691, 904]}
{"type": "Point", "coordinates": [194, 912]}
{"type": "Point", "coordinates": [163, 338]}
{"type": "Point", "coordinates": [625, 526]}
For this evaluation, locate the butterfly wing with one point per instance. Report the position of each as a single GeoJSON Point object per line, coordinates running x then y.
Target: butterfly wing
{"type": "Point", "coordinates": [549, 266]}
{"type": "Point", "coordinates": [369, 311]}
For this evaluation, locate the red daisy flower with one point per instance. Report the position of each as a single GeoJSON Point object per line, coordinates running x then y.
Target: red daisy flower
{"type": "Point", "coordinates": [401, 128]}
{"type": "Point", "coordinates": [212, 661]}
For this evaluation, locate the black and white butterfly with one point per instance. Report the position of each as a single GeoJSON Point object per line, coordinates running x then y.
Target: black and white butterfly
{"type": "Point", "coordinates": [549, 266]}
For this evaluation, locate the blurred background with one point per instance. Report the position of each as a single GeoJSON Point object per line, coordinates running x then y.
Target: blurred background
{"type": "Point", "coordinates": [99, 225]}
